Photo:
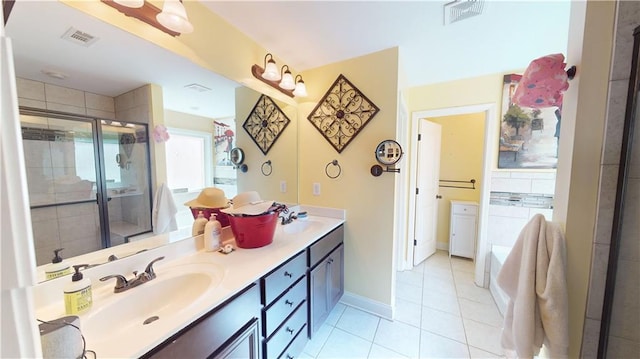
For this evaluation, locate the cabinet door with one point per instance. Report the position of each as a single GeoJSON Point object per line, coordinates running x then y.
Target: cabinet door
{"type": "Point", "coordinates": [327, 287]}
{"type": "Point", "coordinates": [336, 276]}
{"type": "Point", "coordinates": [318, 297]}
{"type": "Point", "coordinates": [463, 235]}
{"type": "Point", "coordinates": [245, 346]}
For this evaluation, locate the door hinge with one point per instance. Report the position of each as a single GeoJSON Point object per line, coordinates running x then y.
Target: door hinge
{"type": "Point", "coordinates": [419, 137]}
{"type": "Point", "coordinates": [417, 190]}
{"type": "Point", "coordinates": [415, 242]}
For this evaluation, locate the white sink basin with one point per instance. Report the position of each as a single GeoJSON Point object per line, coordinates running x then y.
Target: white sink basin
{"type": "Point", "coordinates": [297, 226]}
{"type": "Point", "coordinates": [157, 302]}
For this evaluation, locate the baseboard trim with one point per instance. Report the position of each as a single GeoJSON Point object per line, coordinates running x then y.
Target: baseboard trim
{"type": "Point", "coordinates": [367, 305]}
{"type": "Point", "coordinates": [442, 246]}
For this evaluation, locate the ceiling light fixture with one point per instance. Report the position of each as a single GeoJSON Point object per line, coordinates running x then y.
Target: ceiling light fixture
{"type": "Point", "coordinates": [171, 20]}
{"type": "Point", "coordinates": [281, 80]}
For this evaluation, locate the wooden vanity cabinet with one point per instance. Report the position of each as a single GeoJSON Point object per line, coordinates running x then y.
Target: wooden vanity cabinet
{"type": "Point", "coordinates": [326, 277]}
{"type": "Point", "coordinates": [229, 331]}
{"type": "Point", "coordinates": [284, 312]}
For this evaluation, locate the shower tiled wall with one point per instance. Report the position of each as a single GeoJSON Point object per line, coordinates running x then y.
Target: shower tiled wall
{"type": "Point", "coordinates": [73, 227]}
{"type": "Point", "coordinates": [624, 339]}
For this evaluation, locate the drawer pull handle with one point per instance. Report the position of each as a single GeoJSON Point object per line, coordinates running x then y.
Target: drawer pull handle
{"type": "Point", "coordinates": [288, 302]}
{"type": "Point", "coordinates": [289, 330]}
{"type": "Point", "coordinates": [287, 274]}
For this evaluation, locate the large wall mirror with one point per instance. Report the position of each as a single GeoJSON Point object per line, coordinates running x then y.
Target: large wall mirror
{"type": "Point", "coordinates": [66, 52]}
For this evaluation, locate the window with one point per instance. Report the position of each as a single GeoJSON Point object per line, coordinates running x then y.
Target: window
{"type": "Point", "coordinates": [189, 163]}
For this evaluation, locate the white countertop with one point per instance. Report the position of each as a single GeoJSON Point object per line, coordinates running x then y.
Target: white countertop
{"type": "Point", "coordinates": [240, 268]}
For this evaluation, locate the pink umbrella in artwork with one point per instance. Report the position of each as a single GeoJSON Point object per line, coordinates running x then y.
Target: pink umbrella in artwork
{"type": "Point", "coordinates": [543, 82]}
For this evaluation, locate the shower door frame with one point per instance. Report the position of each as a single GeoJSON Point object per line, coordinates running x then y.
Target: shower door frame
{"type": "Point", "coordinates": [631, 115]}
{"type": "Point", "coordinates": [102, 192]}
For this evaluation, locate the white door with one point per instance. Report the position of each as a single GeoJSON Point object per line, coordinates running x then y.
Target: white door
{"type": "Point", "coordinates": [427, 180]}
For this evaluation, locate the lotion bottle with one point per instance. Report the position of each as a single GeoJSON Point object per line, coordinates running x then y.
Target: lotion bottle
{"type": "Point", "coordinates": [212, 234]}
{"type": "Point", "coordinates": [58, 266]}
{"type": "Point", "coordinates": [198, 225]}
{"type": "Point", "coordinates": [77, 294]}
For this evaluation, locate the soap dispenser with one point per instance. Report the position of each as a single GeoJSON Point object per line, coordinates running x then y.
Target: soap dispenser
{"type": "Point", "coordinates": [58, 266]}
{"type": "Point", "coordinates": [198, 225]}
{"type": "Point", "coordinates": [77, 294]}
{"type": "Point", "coordinates": [212, 234]}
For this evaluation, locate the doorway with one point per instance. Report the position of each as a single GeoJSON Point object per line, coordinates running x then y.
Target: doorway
{"type": "Point", "coordinates": [481, 255]}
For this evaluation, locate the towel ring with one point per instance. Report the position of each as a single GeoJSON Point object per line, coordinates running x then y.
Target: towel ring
{"type": "Point", "coordinates": [266, 168]}
{"type": "Point", "coordinates": [335, 163]}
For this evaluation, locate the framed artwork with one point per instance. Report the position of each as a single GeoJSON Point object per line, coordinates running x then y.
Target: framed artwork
{"type": "Point", "coordinates": [342, 113]}
{"type": "Point", "coordinates": [265, 123]}
{"type": "Point", "coordinates": [528, 137]}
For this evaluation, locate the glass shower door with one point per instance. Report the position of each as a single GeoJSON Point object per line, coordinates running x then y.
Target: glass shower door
{"type": "Point", "coordinates": [126, 169]}
{"type": "Point", "coordinates": [61, 171]}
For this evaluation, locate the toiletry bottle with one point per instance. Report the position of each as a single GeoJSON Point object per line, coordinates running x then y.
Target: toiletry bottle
{"type": "Point", "coordinates": [198, 225]}
{"type": "Point", "coordinates": [212, 234]}
{"type": "Point", "coordinates": [77, 294]}
{"type": "Point", "coordinates": [58, 266]}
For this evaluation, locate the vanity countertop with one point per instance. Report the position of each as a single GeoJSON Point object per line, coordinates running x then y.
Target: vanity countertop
{"type": "Point", "coordinates": [237, 270]}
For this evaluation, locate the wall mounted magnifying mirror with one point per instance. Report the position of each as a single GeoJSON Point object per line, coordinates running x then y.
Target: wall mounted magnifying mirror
{"type": "Point", "coordinates": [388, 153]}
{"type": "Point", "coordinates": [236, 158]}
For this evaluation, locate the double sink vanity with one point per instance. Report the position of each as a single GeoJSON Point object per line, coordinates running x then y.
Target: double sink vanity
{"type": "Point", "coordinates": [251, 303]}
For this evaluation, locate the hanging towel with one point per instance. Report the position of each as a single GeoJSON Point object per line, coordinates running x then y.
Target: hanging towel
{"type": "Point", "coordinates": [533, 277]}
{"type": "Point", "coordinates": [164, 211]}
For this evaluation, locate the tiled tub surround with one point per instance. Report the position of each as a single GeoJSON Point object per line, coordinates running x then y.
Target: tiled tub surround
{"type": "Point", "coordinates": [241, 268]}
{"type": "Point", "coordinates": [506, 221]}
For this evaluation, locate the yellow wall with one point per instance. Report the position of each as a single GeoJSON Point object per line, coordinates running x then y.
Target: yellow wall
{"type": "Point", "coordinates": [368, 200]}
{"type": "Point", "coordinates": [282, 154]}
{"type": "Point", "coordinates": [461, 159]}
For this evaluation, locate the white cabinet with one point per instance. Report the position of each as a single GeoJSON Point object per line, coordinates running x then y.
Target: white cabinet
{"type": "Point", "coordinates": [463, 231]}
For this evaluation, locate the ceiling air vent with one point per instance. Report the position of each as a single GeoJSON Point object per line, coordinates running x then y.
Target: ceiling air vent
{"type": "Point", "coordinates": [459, 10]}
{"type": "Point", "coordinates": [197, 87]}
{"type": "Point", "coordinates": [79, 37]}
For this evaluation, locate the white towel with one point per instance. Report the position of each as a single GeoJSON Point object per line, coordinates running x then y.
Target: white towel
{"type": "Point", "coordinates": [164, 211]}
{"type": "Point", "coordinates": [533, 277]}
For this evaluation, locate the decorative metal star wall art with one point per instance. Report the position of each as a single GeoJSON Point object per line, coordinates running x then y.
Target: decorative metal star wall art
{"type": "Point", "coordinates": [342, 113]}
{"type": "Point", "coordinates": [265, 123]}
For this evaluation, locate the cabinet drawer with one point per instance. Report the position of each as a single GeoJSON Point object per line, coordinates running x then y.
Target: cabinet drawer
{"type": "Point", "coordinates": [282, 278]}
{"type": "Point", "coordinates": [297, 345]}
{"type": "Point", "coordinates": [464, 209]}
{"type": "Point", "coordinates": [285, 334]}
{"type": "Point", "coordinates": [284, 306]}
{"type": "Point", "coordinates": [208, 334]}
{"type": "Point", "coordinates": [326, 244]}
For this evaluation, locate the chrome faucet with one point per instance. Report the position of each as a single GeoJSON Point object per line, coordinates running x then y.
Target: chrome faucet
{"type": "Point", "coordinates": [122, 284]}
{"type": "Point", "coordinates": [288, 219]}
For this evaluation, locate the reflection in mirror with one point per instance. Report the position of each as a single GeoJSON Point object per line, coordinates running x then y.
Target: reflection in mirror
{"type": "Point", "coordinates": [106, 80]}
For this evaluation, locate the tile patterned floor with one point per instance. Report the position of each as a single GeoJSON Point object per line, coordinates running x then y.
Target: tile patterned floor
{"type": "Point", "coordinates": [440, 313]}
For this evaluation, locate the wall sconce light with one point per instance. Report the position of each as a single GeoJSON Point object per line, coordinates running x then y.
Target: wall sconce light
{"type": "Point", "coordinates": [281, 80]}
{"type": "Point", "coordinates": [172, 19]}
{"type": "Point", "coordinates": [301, 88]}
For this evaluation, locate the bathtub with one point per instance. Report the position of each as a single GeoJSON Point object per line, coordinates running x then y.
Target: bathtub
{"type": "Point", "coordinates": [498, 256]}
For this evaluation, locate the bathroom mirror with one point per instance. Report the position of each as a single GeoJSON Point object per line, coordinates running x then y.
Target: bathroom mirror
{"type": "Point", "coordinates": [43, 53]}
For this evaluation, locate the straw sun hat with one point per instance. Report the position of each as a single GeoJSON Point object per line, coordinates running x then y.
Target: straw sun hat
{"type": "Point", "coordinates": [248, 203]}
{"type": "Point", "coordinates": [209, 197]}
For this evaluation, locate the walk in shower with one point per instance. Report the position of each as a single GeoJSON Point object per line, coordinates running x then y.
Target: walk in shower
{"type": "Point", "coordinates": [88, 180]}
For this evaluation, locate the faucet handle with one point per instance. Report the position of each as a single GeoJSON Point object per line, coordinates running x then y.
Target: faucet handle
{"type": "Point", "coordinates": [149, 270]}
{"type": "Point", "coordinates": [121, 281]}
